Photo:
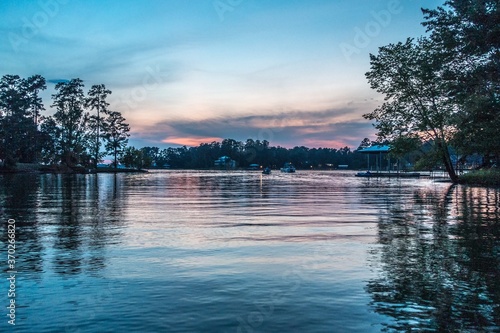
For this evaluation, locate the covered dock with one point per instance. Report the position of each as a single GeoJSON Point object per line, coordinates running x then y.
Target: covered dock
{"type": "Point", "coordinates": [377, 168]}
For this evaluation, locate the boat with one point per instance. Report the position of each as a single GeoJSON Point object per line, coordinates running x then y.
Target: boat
{"type": "Point", "coordinates": [364, 174]}
{"type": "Point", "coordinates": [266, 171]}
{"type": "Point", "coordinates": [288, 168]}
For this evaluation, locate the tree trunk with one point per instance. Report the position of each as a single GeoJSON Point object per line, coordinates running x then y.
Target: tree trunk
{"type": "Point", "coordinates": [97, 140]}
{"type": "Point", "coordinates": [447, 162]}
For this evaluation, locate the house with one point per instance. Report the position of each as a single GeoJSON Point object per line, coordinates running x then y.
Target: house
{"type": "Point", "coordinates": [225, 162]}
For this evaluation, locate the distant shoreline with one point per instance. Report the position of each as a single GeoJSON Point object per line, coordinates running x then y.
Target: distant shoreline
{"type": "Point", "coordinates": [485, 178]}
{"type": "Point", "coordinates": [26, 168]}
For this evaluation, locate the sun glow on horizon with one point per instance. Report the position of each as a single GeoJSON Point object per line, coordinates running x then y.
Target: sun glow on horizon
{"type": "Point", "coordinates": [190, 141]}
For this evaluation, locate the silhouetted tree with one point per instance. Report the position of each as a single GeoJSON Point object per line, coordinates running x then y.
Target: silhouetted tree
{"type": "Point", "coordinates": [467, 31]}
{"type": "Point", "coordinates": [20, 105]}
{"type": "Point", "coordinates": [116, 135]}
{"type": "Point", "coordinates": [96, 100]}
{"type": "Point", "coordinates": [69, 101]}
{"type": "Point", "coordinates": [416, 103]}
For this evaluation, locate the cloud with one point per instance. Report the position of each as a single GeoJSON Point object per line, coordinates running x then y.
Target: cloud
{"type": "Point", "coordinates": [189, 141]}
{"type": "Point", "coordinates": [328, 128]}
{"type": "Point", "coordinates": [56, 81]}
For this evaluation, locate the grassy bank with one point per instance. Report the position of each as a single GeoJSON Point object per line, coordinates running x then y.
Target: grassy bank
{"type": "Point", "coordinates": [490, 177]}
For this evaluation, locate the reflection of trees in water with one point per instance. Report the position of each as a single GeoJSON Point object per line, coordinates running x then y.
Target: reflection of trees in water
{"type": "Point", "coordinates": [18, 200]}
{"type": "Point", "coordinates": [62, 220]}
{"type": "Point", "coordinates": [438, 265]}
{"type": "Point", "coordinates": [88, 217]}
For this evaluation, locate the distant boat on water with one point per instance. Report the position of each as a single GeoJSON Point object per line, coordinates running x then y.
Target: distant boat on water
{"type": "Point", "coordinates": [266, 171]}
{"type": "Point", "coordinates": [288, 168]}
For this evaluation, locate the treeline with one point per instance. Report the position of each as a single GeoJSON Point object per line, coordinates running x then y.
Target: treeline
{"type": "Point", "coordinates": [244, 154]}
{"type": "Point", "coordinates": [72, 136]}
{"type": "Point", "coordinates": [443, 89]}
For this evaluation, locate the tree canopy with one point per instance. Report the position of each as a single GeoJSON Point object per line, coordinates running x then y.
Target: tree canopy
{"type": "Point", "coordinates": [71, 136]}
{"type": "Point", "coordinates": [244, 154]}
{"type": "Point", "coordinates": [443, 89]}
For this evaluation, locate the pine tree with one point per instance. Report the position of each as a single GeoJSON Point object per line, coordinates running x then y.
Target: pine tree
{"type": "Point", "coordinates": [116, 135]}
{"type": "Point", "coordinates": [96, 100]}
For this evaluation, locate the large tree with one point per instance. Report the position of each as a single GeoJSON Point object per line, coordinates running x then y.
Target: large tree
{"type": "Point", "coordinates": [69, 101]}
{"type": "Point", "coordinates": [96, 100]}
{"type": "Point", "coordinates": [116, 135]}
{"type": "Point", "coordinates": [416, 105]}
{"type": "Point", "coordinates": [469, 31]}
{"type": "Point", "coordinates": [32, 87]}
{"type": "Point", "coordinates": [20, 105]}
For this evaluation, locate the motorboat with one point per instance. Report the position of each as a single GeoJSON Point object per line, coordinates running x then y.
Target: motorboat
{"type": "Point", "coordinates": [288, 168]}
{"type": "Point", "coordinates": [266, 171]}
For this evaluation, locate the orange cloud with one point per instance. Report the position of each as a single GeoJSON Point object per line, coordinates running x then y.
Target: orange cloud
{"type": "Point", "coordinates": [189, 141]}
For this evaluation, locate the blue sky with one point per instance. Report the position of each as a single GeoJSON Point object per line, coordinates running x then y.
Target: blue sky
{"type": "Point", "coordinates": [184, 72]}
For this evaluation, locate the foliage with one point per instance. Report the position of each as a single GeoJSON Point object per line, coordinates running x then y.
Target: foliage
{"type": "Point", "coordinates": [365, 143]}
{"type": "Point", "coordinates": [133, 158]}
{"type": "Point", "coordinates": [485, 177]}
{"type": "Point", "coordinates": [20, 107]}
{"type": "Point", "coordinates": [244, 153]}
{"type": "Point", "coordinates": [444, 89]}
{"type": "Point", "coordinates": [116, 134]}
{"type": "Point", "coordinates": [71, 136]}
{"type": "Point", "coordinates": [71, 121]}
{"type": "Point", "coordinates": [468, 31]}
{"type": "Point", "coordinates": [416, 105]}
{"type": "Point", "coordinates": [96, 100]}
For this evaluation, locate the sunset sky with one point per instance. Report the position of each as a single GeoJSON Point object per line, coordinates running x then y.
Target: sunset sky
{"type": "Point", "coordinates": [185, 72]}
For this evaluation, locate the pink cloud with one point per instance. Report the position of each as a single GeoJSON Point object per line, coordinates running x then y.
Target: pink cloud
{"type": "Point", "coordinates": [189, 141]}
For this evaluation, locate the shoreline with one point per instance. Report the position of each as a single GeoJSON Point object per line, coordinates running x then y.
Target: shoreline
{"type": "Point", "coordinates": [485, 178]}
{"type": "Point", "coordinates": [63, 169]}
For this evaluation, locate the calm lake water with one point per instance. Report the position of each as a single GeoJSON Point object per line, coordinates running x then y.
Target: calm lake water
{"type": "Point", "coordinates": [191, 251]}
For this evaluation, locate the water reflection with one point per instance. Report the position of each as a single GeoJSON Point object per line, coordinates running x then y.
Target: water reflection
{"type": "Point", "coordinates": [438, 264]}
{"type": "Point", "coordinates": [206, 251]}
{"type": "Point", "coordinates": [18, 200]}
{"type": "Point", "coordinates": [63, 222]}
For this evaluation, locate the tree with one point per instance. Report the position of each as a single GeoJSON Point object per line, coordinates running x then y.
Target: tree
{"type": "Point", "coordinates": [49, 136]}
{"type": "Point", "coordinates": [32, 87]}
{"type": "Point", "coordinates": [96, 100]}
{"type": "Point", "coordinates": [20, 106]}
{"type": "Point", "coordinates": [116, 135]}
{"type": "Point", "coordinates": [365, 144]}
{"type": "Point", "coordinates": [151, 155]}
{"type": "Point", "coordinates": [469, 30]}
{"type": "Point", "coordinates": [69, 101]}
{"type": "Point", "coordinates": [13, 107]}
{"type": "Point", "coordinates": [133, 158]}
{"type": "Point", "coordinates": [416, 102]}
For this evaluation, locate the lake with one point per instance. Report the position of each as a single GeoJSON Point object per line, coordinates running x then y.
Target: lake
{"type": "Point", "coordinates": [238, 251]}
